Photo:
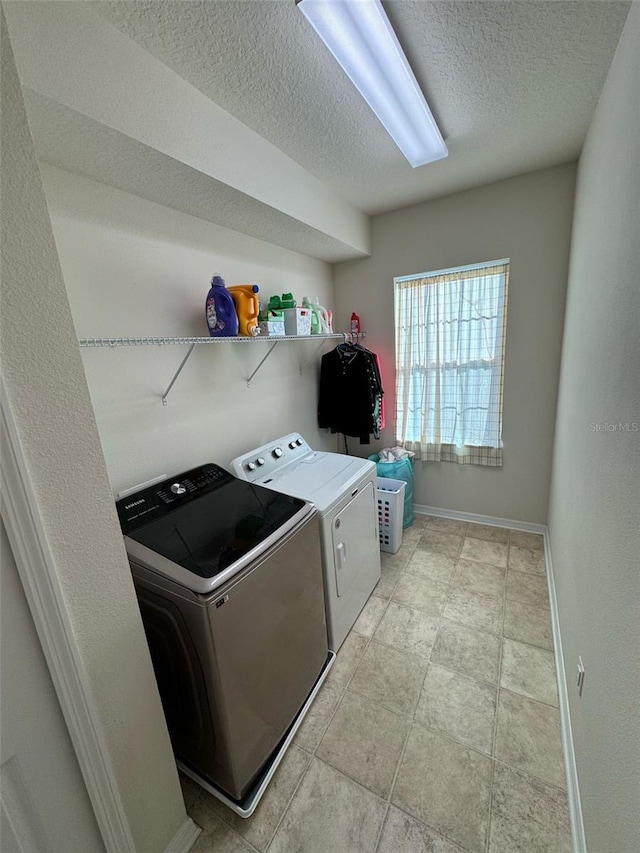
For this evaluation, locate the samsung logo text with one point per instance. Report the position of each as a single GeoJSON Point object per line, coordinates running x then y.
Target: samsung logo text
{"type": "Point", "coordinates": [135, 503]}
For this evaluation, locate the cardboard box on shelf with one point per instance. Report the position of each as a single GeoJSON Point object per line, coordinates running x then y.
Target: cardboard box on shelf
{"type": "Point", "coordinates": [297, 321]}
{"type": "Point", "coordinates": [271, 328]}
{"type": "Point", "coordinates": [271, 323]}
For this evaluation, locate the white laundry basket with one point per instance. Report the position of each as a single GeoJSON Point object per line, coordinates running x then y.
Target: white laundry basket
{"type": "Point", "coordinates": [390, 510]}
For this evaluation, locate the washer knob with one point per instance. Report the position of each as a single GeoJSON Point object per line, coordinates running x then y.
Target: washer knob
{"type": "Point", "coordinates": [251, 466]}
{"type": "Point", "coordinates": [178, 489]}
{"type": "Point", "coordinates": [292, 445]}
{"type": "Point", "coordinates": [277, 452]}
{"type": "Point", "coordinates": [260, 460]}
{"type": "Point", "coordinates": [298, 441]}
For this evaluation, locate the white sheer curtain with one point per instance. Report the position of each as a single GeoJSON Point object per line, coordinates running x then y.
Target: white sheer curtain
{"type": "Point", "coordinates": [450, 336]}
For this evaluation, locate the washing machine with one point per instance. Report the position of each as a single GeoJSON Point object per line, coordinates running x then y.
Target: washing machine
{"type": "Point", "coordinates": [230, 585]}
{"type": "Point", "coordinates": [343, 490]}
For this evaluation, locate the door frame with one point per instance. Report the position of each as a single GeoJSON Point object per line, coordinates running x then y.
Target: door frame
{"type": "Point", "coordinates": [38, 575]}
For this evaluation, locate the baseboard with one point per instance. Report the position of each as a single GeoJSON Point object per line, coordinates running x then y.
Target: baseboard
{"type": "Point", "coordinates": [185, 837]}
{"type": "Point", "coordinates": [475, 518]}
{"type": "Point", "coordinates": [578, 840]}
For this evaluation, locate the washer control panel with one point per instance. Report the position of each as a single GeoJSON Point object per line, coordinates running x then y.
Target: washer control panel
{"type": "Point", "coordinates": [156, 500]}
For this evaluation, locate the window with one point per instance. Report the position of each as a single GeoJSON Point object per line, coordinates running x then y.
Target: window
{"type": "Point", "coordinates": [450, 337]}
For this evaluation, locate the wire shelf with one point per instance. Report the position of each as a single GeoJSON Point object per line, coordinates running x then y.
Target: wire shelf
{"type": "Point", "coordinates": [192, 342]}
{"type": "Point", "coordinates": [241, 339]}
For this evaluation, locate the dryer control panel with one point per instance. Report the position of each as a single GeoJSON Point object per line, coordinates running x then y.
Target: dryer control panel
{"type": "Point", "coordinates": [262, 462]}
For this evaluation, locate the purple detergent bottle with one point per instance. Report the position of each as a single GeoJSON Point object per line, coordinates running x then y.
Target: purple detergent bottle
{"type": "Point", "coordinates": [222, 318]}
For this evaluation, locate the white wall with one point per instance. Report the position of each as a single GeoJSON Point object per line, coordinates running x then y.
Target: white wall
{"type": "Point", "coordinates": [135, 268]}
{"type": "Point", "coordinates": [36, 750]}
{"type": "Point", "coordinates": [527, 219]}
{"type": "Point", "coordinates": [47, 392]}
{"type": "Point", "coordinates": [594, 516]}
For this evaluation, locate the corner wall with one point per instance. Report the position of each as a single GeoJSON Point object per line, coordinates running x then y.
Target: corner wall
{"type": "Point", "coordinates": [594, 515]}
{"type": "Point", "coordinates": [527, 219]}
{"type": "Point", "coordinates": [47, 391]}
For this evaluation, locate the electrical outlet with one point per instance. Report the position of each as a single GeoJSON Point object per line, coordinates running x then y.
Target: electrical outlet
{"type": "Point", "coordinates": [580, 678]}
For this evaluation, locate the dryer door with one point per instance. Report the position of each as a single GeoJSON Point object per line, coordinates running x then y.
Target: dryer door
{"type": "Point", "coordinates": [355, 545]}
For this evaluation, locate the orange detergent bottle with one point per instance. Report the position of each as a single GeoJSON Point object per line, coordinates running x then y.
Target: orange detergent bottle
{"type": "Point", "coordinates": [247, 308]}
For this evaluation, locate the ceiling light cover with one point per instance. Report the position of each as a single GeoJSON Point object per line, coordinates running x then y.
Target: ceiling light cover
{"type": "Point", "coordinates": [361, 38]}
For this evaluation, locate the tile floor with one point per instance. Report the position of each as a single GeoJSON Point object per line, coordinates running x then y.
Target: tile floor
{"type": "Point", "coordinates": [438, 728]}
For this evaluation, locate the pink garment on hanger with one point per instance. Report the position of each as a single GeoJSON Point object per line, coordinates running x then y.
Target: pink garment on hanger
{"type": "Point", "coordinates": [382, 400]}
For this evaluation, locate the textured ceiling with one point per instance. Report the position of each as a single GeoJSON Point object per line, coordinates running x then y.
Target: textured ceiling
{"type": "Point", "coordinates": [78, 144]}
{"type": "Point", "coordinates": [513, 85]}
{"type": "Point", "coordinates": [234, 111]}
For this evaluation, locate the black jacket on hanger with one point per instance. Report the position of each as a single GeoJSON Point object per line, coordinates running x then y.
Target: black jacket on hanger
{"type": "Point", "coordinates": [350, 392]}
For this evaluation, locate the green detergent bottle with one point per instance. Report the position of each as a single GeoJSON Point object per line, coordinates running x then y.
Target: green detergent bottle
{"type": "Point", "coordinates": [316, 323]}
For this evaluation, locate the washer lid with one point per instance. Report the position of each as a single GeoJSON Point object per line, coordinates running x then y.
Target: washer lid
{"type": "Point", "coordinates": [319, 477]}
{"type": "Point", "coordinates": [205, 520]}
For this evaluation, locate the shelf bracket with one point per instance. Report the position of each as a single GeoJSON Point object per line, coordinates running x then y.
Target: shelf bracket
{"type": "Point", "coordinates": [177, 373]}
{"type": "Point", "coordinates": [304, 366]}
{"type": "Point", "coordinates": [262, 361]}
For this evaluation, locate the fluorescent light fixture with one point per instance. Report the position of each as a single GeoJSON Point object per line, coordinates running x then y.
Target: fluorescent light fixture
{"type": "Point", "coordinates": [359, 35]}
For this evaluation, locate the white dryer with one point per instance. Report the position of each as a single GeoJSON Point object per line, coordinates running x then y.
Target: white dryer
{"type": "Point", "coordinates": [343, 489]}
